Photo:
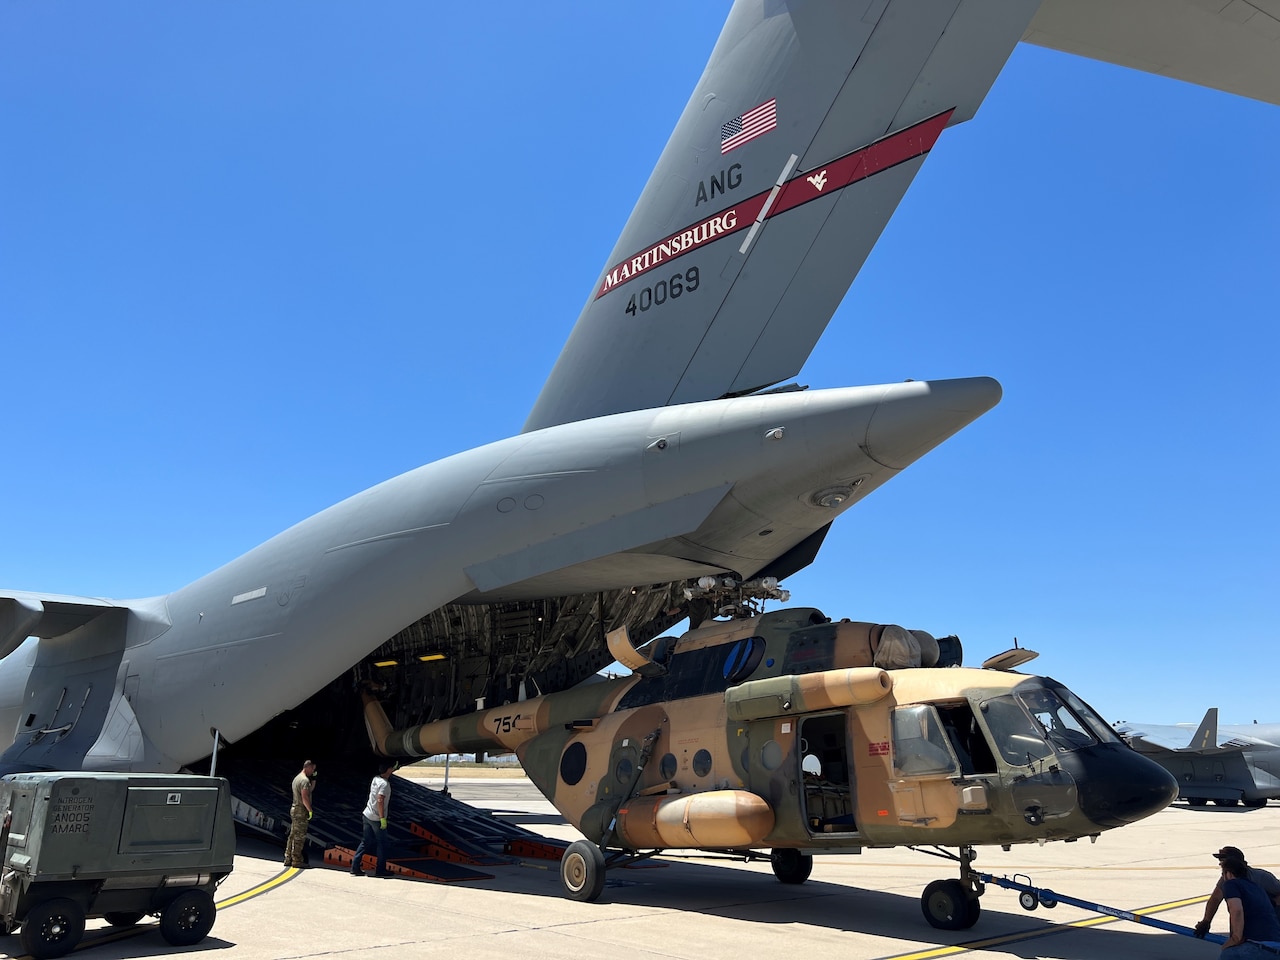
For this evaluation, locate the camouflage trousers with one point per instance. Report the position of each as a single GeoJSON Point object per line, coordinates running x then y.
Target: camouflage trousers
{"type": "Point", "coordinates": [295, 849]}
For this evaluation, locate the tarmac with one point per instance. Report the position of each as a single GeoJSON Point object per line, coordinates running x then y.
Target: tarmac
{"type": "Point", "coordinates": [853, 907]}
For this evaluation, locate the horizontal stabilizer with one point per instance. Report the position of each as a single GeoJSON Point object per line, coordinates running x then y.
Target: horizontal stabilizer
{"type": "Point", "coordinates": [25, 615]}
{"type": "Point", "coordinates": [1229, 46]}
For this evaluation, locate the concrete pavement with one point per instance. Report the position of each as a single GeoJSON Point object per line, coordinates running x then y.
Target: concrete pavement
{"type": "Point", "coordinates": [858, 907]}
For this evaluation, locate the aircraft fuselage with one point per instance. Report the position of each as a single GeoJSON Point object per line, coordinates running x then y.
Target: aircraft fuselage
{"type": "Point", "coordinates": [143, 685]}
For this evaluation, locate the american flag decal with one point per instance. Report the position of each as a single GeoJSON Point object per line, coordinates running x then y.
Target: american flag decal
{"type": "Point", "coordinates": [755, 122]}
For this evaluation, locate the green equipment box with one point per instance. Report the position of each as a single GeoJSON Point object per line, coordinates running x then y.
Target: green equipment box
{"type": "Point", "coordinates": [113, 845]}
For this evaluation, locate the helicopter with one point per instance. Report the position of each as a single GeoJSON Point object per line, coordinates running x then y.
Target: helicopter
{"type": "Point", "coordinates": [784, 734]}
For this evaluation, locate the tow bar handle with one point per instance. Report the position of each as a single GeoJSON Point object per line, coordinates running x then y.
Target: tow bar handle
{"type": "Point", "coordinates": [1047, 897]}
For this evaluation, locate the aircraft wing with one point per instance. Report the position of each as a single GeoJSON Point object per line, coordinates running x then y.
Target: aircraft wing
{"type": "Point", "coordinates": [806, 128]}
{"type": "Point", "coordinates": [1230, 45]}
{"type": "Point", "coordinates": [44, 615]}
{"type": "Point", "coordinates": [1180, 737]}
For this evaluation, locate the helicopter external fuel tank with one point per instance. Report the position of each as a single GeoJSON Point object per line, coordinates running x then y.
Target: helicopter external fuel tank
{"type": "Point", "coordinates": [716, 818]}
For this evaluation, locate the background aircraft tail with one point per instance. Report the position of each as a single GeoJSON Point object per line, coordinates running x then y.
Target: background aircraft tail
{"type": "Point", "coordinates": [1206, 735]}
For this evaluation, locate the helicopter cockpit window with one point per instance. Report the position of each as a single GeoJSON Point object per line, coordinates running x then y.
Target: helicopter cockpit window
{"type": "Point", "coordinates": [1100, 728]}
{"type": "Point", "coordinates": [919, 745]}
{"type": "Point", "coordinates": [1013, 732]}
{"type": "Point", "coordinates": [1061, 727]}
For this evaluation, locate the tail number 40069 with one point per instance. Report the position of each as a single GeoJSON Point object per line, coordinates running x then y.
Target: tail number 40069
{"type": "Point", "coordinates": [674, 286]}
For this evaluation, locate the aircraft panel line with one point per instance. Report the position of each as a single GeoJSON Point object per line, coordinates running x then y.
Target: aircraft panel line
{"type": "Point", "coordinates": [228, 645]}
{"type": "Point", "coordinates": [397, 534]}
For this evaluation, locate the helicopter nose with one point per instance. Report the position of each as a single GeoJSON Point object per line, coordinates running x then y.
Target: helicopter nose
{"type": "Point", "coordinates": [1117, 785]}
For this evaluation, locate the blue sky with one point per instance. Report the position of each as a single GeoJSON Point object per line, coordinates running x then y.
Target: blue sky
{"type": "Point", "coordinates": [257, 257]}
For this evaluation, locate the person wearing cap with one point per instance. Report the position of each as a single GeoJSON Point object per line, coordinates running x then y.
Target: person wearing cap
{"type": "Point", "coordinates": [1255, 931]}
{"type": "Point", "coordinates": [295, 851]}
{"type": "Point", "coordinates": [1262, 878]}
{"type": "Point", "coordinates": [374, 821]}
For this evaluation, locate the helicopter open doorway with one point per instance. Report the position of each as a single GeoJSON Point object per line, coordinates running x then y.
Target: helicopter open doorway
{"type": "Point", "coordinates": [827, 775]}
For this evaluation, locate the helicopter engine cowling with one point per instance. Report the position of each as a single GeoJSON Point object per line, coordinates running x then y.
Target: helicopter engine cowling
{"type": "Point", "coordinates": [714, 819]}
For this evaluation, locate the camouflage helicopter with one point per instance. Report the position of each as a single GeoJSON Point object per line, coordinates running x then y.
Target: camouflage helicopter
{"type": "Point", "coordinates": [785, 734]}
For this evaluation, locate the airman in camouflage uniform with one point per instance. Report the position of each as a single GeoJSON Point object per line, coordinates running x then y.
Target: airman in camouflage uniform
{"type": "Point", "coordinates": [299, 815]}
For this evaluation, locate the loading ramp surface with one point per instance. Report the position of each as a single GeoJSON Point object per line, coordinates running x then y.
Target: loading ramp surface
{"type": "Point", "coordinates": [430, 835]}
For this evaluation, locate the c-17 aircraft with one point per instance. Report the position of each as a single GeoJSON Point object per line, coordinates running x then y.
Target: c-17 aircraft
{"type": "Point", "coordinates": [1228, 764]}
{"type": "Point", "coordinates": [662, 448]}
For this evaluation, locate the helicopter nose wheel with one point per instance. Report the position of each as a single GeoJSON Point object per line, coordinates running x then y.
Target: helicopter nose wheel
{"type": "Point", "coordinates": [954, 904]}
{"type": "Point", "coordinates": [950, 905]}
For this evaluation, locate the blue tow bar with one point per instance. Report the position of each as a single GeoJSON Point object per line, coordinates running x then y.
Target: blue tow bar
{"type": "Point", "coordinates": [1031, 897]}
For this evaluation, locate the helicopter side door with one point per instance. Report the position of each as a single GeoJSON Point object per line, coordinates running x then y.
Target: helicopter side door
{"type": "Point", "coordinates": [923, 768]}
{"type": "Point", "coordinates": [942, 764]}
{"type": "Point", "coordinates": [827, 774]}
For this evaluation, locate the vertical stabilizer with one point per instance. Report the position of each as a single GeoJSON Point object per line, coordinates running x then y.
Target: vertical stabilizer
{"type": "Point", "coordinates": [805, 130]}
{"type": "Point", "coordinates": [1206, 735]}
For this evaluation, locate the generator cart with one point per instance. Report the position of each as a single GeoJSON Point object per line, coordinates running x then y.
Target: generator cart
{"type": "Point", "coordinates": [113, 845]}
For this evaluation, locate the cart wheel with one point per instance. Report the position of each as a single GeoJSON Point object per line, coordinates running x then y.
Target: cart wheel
{"type": "Point", "coordinates": [123, 918]}
{"type": "Point", "coordinates": [1028, 900]}
{"type": "Point", "coordinates": [188, 918]}
{"type": "Point", "coordinates": [790, 866]}
{"type": "Point", "coordinates": [52, 928]}
{"type": "Point", "coordinates": [1048, 900]}
{"type": "Point", "coordinates": [948, 905]}
{"type": "Point", "coordinates": [582, 871]}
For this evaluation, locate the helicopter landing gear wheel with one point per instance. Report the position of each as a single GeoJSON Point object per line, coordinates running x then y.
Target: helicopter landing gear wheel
{"type": "Point", "coordinates": [949, 905]}
{"type": "Point", "coordinates": [582, 871]}
{"type": "Point", "coordinates": [1197, 801]}
{"type": "Point", "coordinates": [790, 866]}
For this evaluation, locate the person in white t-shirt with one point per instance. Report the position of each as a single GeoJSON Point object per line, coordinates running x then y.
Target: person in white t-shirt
{"type": "Point", "coordinates": [374, 821]}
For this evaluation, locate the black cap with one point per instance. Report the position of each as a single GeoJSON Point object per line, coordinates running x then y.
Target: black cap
{"type": "Point", "coordinates": [1234, 853]}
